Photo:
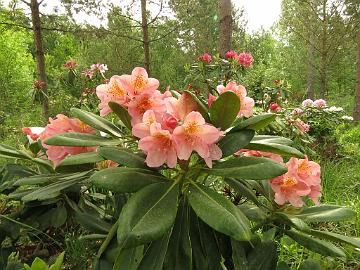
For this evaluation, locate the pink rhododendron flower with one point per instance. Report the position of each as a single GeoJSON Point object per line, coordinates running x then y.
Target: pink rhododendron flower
{"type": "Point", "coordinates": [246, 103]}
{"type": "Point", "coordinates": [319, 103]}
{"type": "Point", "coordinates": [159, 147]}
{"type": "Point", "coordinates": [215, 154]}
{"type": "Point", "coordinates": [255, 153]}
{"type": "Point", "coordinates": [60, 125]}
{"type": "Point", "coordinates": [169, 122]}
{"type": "Point", "coordinates": [70, 64]}
{"type": "Point", "coordinates": [139, 82]}
{"type": "Point", "coordinates": [141, 103]}
{"type": "Point", "coordinates": [297, 111]}
{"type": "Point", "coordinates": [205, 58]}
{"type": "Point", "coordinates": [142, 130]}
{"type": "Point", "coordinates": [195, 135]}
{"type": "Point", "coordinates": [230, 54]}
{"type": "Point", "coordinates": [245, 59]}
{"type": "Point", "coordinates": [307, 103]}
{"type": "Point", "coordinates": [301, 125]}
{"type": "Point", "coordinates": [181, 107]}
{"type": "Point", "coordinates": [33, 136]}
{"type": "Point", "coordinates": [211, 99]}
{"type": "Point", "coordinates": [302, 179]}
{"type": "Point", "coordinates": [112, 91]}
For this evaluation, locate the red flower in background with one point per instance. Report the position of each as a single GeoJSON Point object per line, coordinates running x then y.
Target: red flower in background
{"type": "Point", "coordinates": [230, 54]}
{"type": "Point", "coordinates": [274, 107]}
{"type": "Point", "coordinates": [205, 58]}
{"type": "Point", "coordinates": [245, 59]}
{"type": "Point", "coordinates": [38, 84]}
{"type": "Point", "coordinates": [70, 64]}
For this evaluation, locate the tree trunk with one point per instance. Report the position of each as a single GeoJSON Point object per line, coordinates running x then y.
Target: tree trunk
{"type": "Point", "coordinates": [356, 113]}
{"type": "Point", "coordinates": [310, 91]}
{"type": "Point", "coordinates": [39, 54]}
{"type": "Point", "coordinates": [323, 55]}
{"type": "Point", "coordinates": [145, 30]}
{"type": "Point", "coordinates": [225, 26]}
{"type": "Point", "coordinates": [323, 75]}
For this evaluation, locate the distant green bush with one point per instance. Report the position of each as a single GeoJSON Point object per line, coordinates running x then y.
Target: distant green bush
{"type": "Point", "coordinates": [349, 139]}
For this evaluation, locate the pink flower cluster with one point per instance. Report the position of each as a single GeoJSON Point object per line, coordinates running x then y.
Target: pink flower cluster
{"type": "Point", "coordinates": [245, 59]}
{"type": "Point", "coordinates": [301, 125]}
{"type": "Point", "coordinates": [102, 68]}
{"type": "Point", "coordinates": [302, 179]}
{"type": "Point", "coordinates": [205, 58]}
{"type": "Point", "coordinates": [60, 125]}
{"type": "Point", "coordinates": [246, 103]}
{"type": "Point", "coordinates": [169, 128]}
{"type": "Point", "coordinates": [319, 103]}
{"type": "Point", "coordinates": [70, 64]}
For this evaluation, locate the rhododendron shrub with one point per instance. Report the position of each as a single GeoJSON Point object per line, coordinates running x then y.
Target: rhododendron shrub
{"type": "Point", "coordinates": [195, 181]}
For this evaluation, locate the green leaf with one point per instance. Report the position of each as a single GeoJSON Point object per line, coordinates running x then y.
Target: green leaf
{"type": "Point", "coordinates": [148, 214]}
{"type": "Point", "coordinates": [58, 263]}
{"type": "Point", "coordinates": [80, 139]}
{"type": "Point", "coordinates": [310, 264]}
{"type": "Point", "coordinates": [233, 142]}
{"type": "Point", "coordinates": [200, 106]}
{"type": "Point", "coordinates": [325, 213]}
{"type": "Point", "coordinates": [49, 178]}
{"type": "Point", "coordinates": [129, 258]}
{"type": "Point", "coordinates": [283, 266]}
{"type": "Point", "coordinates": [11, 152]}
{"type": "Point", "coordinates": [239, 255]}
{"type": "Point", "coordinates": [335, 237]}
{"type": "Point", "coordinates": [125, 180]}
{"type": "Point", "coordinates": [255, 123]}
{"type": "Point", "coordinates": [277, 148]}
{"type": "Point", "coordinates": [122, 113]}
{"type": "Point", "coordinates": [250, 168]}
{"type": "Point", "coordinates": [224, 110]}
{"type": "Point", "coordinates": [316, 245]}
{"type": "Point", "coordinates": [179, 255]}
{"type": "Point", "coordinates": [39, 264]}
{"type": "Point", "coordinates": [96, 122]}
{"type": "Point", "coordinates": [155, 254]}
{"type": "Point", "coordinates": [58, 216]}
{"type": "Point", "coordinates": [243, 189]}
{"type": "Point", "coordinates": [263, 256]}
{"type": "Point", "coordinates": [291, 220]}
{"type": "Point", "coordinates": [253, 212]}
{"type": "Point", "coordinates": [83, 158]}
{"type": "Point", "coordinates": [273, 139]}
{"type": "Point", "coordinates": [50, 191]}
{"type": "Point", "coordinates": [92, 222]}
{"type": "Point", "coordinates": [218, 212]}
{"type": "Point", "coordinates": [123, 157]}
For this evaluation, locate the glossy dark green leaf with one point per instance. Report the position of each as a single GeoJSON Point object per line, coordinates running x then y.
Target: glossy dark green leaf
{"type": "Point", "coordinates": [148, 214]}
{"type": "Point", "coordinates": [273, 139]}
{"type": "Point", "coordinates": [92, 222]}
{"type": "Point", "coordinates": [233, 142]}
{"type": "Point", "coordinates": [263, 256]}
{"type": "Point", "coordinates": [243, 190]}
{"type": "Point", "coordinates": [324, 213]}
{"type": "Point", "coordinates": [282, 266]}
{"type": "Point", "coordinates": [252, 212]}
{"type": "Point", "coordinates": [155, 254]}
{"type": "Point", "coordinates": [353, 241]}
{"type": "Point", "coordinates": [316, 245]}
{"type": "Point", "coordinates": [239, 255]}
{"type": "Point", "coordinates": [125, 180]}
{"type": "Point", "coordinates": [256, 122]}
{"type": "Point", "coordinates": [122, 113]}
{"type": "Point", "coordinates": [123, 157]}
{"type": "Point", "coordinates": [277, 148]}
{"type": "Point", "coordinates": [201, 108]}
{"type": "Point", "coordinates": [310, 264]}
{"type": "Point", "coordinates": [224, 110]}
{"type": "Point", "coordinates": [179, 255]}
{"type": "Point", "coordinates": [80, 139]}
{"type": "Point", "coordinates": [291, 220]}
{"type": "Point", "coordinates": [218, 212]}
{"type": "Point", "coordinates": [83, 158]}
{"type": "Point", "coordinates": [96, 122]}
{"type": "Point", "coordinates": [251, 168]}
{"type": "Point", "coordinates": [129, 258]}
{"type": "Point", "coordinates": [11, 152]}
{"type": "Point", "coordinates": [58, 216]}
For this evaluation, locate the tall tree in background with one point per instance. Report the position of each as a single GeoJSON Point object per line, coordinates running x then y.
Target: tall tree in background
{"type": "Point", "coordinates": [145, 32]}
{"type": "Point", "coordinates": [225, 12]}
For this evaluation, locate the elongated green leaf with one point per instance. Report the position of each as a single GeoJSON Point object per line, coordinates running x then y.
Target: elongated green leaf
{"type": "Point", "coordinates": [281, 149]}
{"type": "Point", "coordinates": [155, 254]}
{"type": "Point", "coordinates": [122, 113]}
{"type": "Point", "coordinates": [125, 180]}
{"type": "Point", "coordinates": [233, 142]}
{"type": "Point", "coordinates": [324, 213]}
{"type": "Point", "coordinates": [243, 190]}
{"type": "Point", "coordinates": [316, 245]}
{"type": "Point", "coordinates": [80, 139]}
{"type": "Point", "coordinates": [50, 191]}
{"type": "Point", "coordinates": [96, 122]}
{"type": "Point", "coordinates": [83, 158]}
{"type": "Point", "coordinates": [179, 255]}
{"type": "Point", "coordinates": [310, 264]}
{"type": "Point", "coordinates": [255, 123]}
{"type": "Point", "coordinates": [58, 263]}
{"type": "Point", "coordinates": [148, 214]}
{"type": "Point", "coordinates": [253, 212]}
{"type": "Point", "coordinates": [335, 237]}
{"type": "Point", "coordinates": [200, 106]}
{"type": "Point", "coordinates": [224, 110]}
{"type": "Point", "coordinates": [218, 212]}
{"type": "Point", "coordinates": [123, 156]}
{"type": "Point", "coordinates": [272, 139]}
{"type": "Point", "coordinates": [92, 222]}
{"type": "Point", "coordinates": [251, 168]}
{"type": "Point", "coordinates": [11, 152]}
{"type": "Point", "coordinates": [128, 258]}
{"type": "Point", "coordinates": [239, 255]}
{"type": "Point", "coordinates": [263, 256]}
{"type": "Point", "coordinates": [291, 220]}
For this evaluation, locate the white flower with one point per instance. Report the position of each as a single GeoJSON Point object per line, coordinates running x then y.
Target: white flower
{"type": "Point", "coordinates": [307, 103]}
{"type": "Point", "coordinates": [334, 109]}
{"type": "Point", "coordinates": [347, 118]}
